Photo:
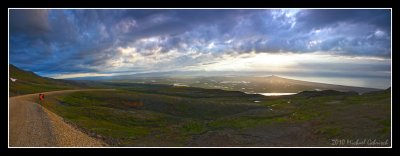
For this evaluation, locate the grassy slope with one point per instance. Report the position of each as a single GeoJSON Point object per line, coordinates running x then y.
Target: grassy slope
{"type": "Point", "coordinates": [142, 118]}
{"type": "Point", "coordinates": [121, 118]}
{"type": "Point", "coordinates": [29, 82]}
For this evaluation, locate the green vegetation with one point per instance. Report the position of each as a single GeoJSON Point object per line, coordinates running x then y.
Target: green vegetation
{"type": "Point", "coordinates": [193, 127]}
{"type": "Point", "coordinates": [246, 122]}
{"type": "Point", "coordinates": [130, 117]}
{"type": "Point", "coordinates": [29, 82]}
{"type": "Point", "coordinates": [330, 131]}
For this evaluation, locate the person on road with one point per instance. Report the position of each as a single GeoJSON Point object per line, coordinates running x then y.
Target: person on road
{"type": "Point", "coordinates": [41, 98]}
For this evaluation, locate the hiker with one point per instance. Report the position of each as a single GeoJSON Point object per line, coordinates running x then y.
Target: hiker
{"type": "Point", "coordinates": [41, 97]}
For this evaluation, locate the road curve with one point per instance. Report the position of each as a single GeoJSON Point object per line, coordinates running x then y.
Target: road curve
{"type": "Point", "coordinates": [31, 125]}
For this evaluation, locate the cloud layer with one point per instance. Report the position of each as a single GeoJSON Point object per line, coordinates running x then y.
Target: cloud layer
{"type": "Point", "coordinates": [118, 41]}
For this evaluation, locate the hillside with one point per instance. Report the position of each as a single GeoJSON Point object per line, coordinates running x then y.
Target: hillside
{"type": "Point", "coordinates": [134, 114]}
{"type": "Point", "coordinates": [28, 82]}
{"type": "Point", "coordinates": [155, 115]}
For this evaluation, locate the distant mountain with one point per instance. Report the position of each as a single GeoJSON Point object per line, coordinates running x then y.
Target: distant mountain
{"type": "Point", "coordinates": [165, 74]}
{"type": "Point", "coordinates": [279, 84]}
{"type": "Point", "coordinates": [26, 82]}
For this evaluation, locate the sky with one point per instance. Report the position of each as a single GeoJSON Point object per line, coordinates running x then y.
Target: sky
{"type": "Point", "coordinates": [343, 46]}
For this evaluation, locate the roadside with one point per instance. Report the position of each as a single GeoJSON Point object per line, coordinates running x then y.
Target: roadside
{"type": "Point", "coordinates": [31, 125]}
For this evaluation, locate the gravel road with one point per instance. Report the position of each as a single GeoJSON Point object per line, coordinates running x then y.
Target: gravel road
{"type": "Point", "coordinates": [31, 125]}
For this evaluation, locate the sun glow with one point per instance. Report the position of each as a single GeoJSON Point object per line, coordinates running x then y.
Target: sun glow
{"type": "Point", "coordinates": [279, 62]}
{"type": "Point", "coordinates": [253, 61]}
{"type": "Point", "coordinates": [66, 76]}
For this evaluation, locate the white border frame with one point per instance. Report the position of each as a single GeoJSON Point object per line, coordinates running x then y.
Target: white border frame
{"type": "Point", "coordinates": [391, 70]}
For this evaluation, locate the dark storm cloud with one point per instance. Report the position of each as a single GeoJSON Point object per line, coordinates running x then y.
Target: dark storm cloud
{"type": "Point", "coordinates": [29, 22]}
{"type": "Point", "coordinates": [349, 32]}
{"type": "Point", "coordinates": [69, 41]}
{"type": "Point", "coordinates": [319, 18]}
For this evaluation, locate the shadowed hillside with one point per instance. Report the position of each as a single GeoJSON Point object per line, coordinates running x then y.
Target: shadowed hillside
{"type": "Point", "coordinates": [27, 82]}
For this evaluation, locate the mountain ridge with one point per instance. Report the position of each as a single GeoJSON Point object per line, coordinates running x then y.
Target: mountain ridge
{"type": "Point", "coordinates": [27, 82]}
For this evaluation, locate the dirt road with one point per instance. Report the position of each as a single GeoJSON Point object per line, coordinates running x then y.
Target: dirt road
{"type": "Point", "coordinates": [31, 125]}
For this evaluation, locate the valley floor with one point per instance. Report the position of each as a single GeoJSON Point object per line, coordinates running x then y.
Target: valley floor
{"type": "Point", "coordinates": [139, 118]}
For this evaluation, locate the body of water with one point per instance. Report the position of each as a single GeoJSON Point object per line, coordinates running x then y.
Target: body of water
{"type": "Point", "coordinates": [276, 94]}
{"type": "Point", "coordinates": [273, 94]}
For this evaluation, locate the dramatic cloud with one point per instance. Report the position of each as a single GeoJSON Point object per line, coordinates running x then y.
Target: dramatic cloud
{"type": "Point", "coordinates": [66, 43]}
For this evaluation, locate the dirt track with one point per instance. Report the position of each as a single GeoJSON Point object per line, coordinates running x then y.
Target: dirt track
{"type": "Point", "coordinates": [31, 125]}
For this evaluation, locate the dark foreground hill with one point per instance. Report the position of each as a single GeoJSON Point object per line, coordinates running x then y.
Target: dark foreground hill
{"type": "Point", "coordinates": [155, 115]}
{"type": "Point", "coordinates": [26, 82]}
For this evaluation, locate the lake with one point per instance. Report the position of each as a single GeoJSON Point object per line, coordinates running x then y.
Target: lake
{"type": "Point", "coordinates": [276, 94]}
{"type": "Point", "coordinates": [273, 94]}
